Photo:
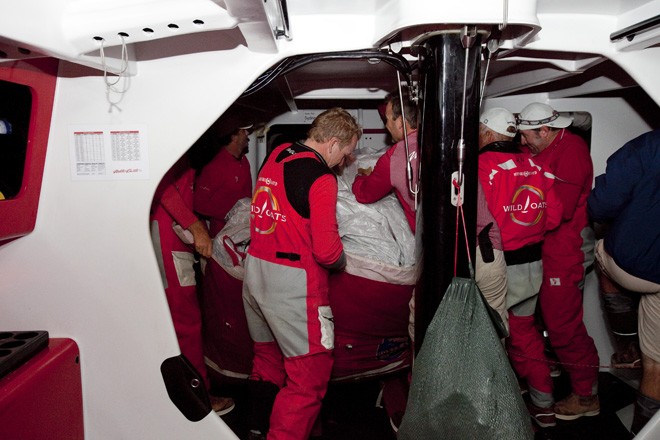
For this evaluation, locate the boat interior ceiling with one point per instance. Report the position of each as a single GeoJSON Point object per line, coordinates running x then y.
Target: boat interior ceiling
{"type": "Point", "coordinates": [361, 81]}
{"type": "Point", "coordinates": [99, 99]}
{"type": "Point", "coordinates": [516, 58]}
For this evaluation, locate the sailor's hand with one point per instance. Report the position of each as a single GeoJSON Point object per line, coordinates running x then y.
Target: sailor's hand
{"type": "Point", "coordinates": [202, 240]}
{"type": "Point", "coordinates": [365, 171]}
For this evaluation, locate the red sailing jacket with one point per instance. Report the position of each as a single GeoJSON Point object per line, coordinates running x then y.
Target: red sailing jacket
{"type": "Point", "coordinates": [567, 157]}
{"type": "Point", "coordinates": [221, 183]}
{"type": "Point", "coordinates": [293, 213]}
{"type": "Point", "coordinates": [519, 193]}
{"type": "Point", "coordinates": [174, 196]}
{"type": "Point", "coordinates": [390, 174]}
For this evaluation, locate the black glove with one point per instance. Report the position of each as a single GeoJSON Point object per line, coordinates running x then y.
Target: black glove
{"type": "Point", "coordinates": [485, 245]}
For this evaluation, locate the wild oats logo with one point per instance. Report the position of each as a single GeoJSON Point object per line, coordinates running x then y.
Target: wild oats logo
{"type": "Point", "coordinates": [265, 211]}
{"type": "Point", "coordinates": [527, 205]}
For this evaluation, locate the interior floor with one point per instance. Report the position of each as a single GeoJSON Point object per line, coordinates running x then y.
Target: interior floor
{"type": "Point", "coordinates": [350, 412]}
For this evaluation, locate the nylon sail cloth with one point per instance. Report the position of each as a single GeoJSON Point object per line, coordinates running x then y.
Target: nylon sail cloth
{"type": "Point", "coordinates": [462, 385]}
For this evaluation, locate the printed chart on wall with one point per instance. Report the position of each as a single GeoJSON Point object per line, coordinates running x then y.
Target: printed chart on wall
{"type": "Point", "coordinates": [108, 153]}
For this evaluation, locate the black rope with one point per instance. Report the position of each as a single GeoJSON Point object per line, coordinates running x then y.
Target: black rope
{"type": "Point", "coordinates": [289, 64]}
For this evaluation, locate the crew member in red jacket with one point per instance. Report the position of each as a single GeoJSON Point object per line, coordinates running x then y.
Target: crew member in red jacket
{"type": "Point", "coordinates": [396, 170]}
{"type": "Point", "coordinates": [521, 197]}
{"type": "Point", "coordinates": [225, 179]}
{"type": "Point", "coordinates": [294, 243]}
{"type": "Point", "coordinates": [173, 204]}
{"type": "Point", "coordinates": [565, 253]}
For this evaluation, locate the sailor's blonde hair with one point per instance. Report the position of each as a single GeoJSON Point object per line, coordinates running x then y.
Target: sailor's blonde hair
{"type": "Point", "coordinates": [335, 122]}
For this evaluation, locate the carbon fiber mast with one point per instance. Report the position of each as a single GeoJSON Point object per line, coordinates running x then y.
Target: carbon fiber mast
{"type": "Point", "coordinates": [449, 101]}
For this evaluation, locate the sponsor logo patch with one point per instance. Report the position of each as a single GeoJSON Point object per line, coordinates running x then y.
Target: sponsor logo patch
{"type": "Point", "coordinates": [265, 211]}
{"type": "Point", "coordinates": [527, 206]}
{"type": "Point", "coordinates": [392, 348]}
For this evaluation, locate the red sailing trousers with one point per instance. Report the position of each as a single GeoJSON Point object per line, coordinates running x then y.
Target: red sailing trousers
{"type": "Point", "coordinates": [561, 307]}
{"type": "Point", "coordinates": [298, 404]}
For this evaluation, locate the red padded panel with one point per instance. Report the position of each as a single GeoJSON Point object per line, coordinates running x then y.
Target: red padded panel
{"type": "Point", "coordinates": [42, 399]}
{"type": "Point", "coordinates": [18, 215]}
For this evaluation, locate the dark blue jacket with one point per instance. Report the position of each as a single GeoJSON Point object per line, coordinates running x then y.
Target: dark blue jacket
{"type": "Point", "coordinates": [627, 197]}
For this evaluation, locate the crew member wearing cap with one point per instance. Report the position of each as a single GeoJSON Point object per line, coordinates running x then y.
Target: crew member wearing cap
{"type": "Point", "coordinates": [566, 155]}
{"type": "Point", "coordinates": [521, 197]}
{"type": "Point", "coordinates": [218, 186]}
{"type": "Point", "coordinates": [173, 202]}
{"type": "Point", "coordinates": [225, 179]}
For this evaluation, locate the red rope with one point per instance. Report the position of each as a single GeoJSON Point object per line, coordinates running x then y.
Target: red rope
{"type": "Point", "coordinates": [459, 208]}
{"type": "Point", "coordinates": [568, 364]}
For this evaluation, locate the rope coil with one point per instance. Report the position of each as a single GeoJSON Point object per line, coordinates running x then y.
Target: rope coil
{"type": "Point", "coordinates": [110, 86]}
